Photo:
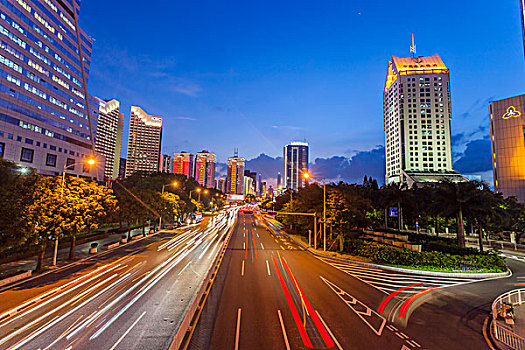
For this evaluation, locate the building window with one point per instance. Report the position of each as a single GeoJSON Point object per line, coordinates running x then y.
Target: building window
{"type": "Point", "coordinates": [10, 136]}
{"type": "Point", "coordinates": [19, 138]}
{"type": "Point", "coordinates": [29, 141]}
{"type": "Point", "coordinates": [26, 155]}
{"type": "Point", "coordinates": [51, 160]}
{"type": "Point", "coordinates": [69, 163]}
{"type": "Point", "coordinates": [53, 148]}
{"type": "Point", "coordinates": [2, 149]}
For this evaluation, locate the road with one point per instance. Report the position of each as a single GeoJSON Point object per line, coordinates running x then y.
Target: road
{"type": "Point", "coordinates": [269, 293]}
{"type": "Point", "coordinates": [134, 297]}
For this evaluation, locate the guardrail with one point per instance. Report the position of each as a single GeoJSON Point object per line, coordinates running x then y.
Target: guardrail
{"type": "Point", "coordinates": [501, 332]}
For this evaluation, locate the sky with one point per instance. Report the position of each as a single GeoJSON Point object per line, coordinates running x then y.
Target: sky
{"type": "Point", "coordinates": [257, 75]}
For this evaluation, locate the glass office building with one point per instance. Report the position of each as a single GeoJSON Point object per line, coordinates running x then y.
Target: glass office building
{"type": "Point", "coordinates": [507, 136]}
{"type": "Point", "coordinates": [43, 119]}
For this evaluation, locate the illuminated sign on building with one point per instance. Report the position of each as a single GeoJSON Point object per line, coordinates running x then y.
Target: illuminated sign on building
{"type": "Point", "coordinates": [512, 112]}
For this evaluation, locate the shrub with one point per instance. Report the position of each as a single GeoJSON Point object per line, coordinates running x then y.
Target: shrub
{"type": "Point", "coordinates": [382, 254]}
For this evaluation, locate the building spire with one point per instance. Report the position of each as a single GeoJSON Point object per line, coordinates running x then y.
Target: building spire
{"type": "Point", "coordinates": [413, 47]}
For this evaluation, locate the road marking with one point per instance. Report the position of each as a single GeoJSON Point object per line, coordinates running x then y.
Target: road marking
{"type": "Point", "coordinates": [128, 330]}
{"type": "Point", "coordinates": [254, 246]}
{"type": "Point", "coordinates": [244, 245]}
{"type": "Point", "coordinates": [262, 246]}
{"type": "Point", "coordinates": [329, 331]}
{"type": "Point", "coordinates": [409, 301]}
{"type": "Point", "coordinates": [282, 327]}
{"type": "Point", "coordinates": [363, 311]}
{"type": "Point", "coordinates": [268, 267]}
{"type": "Point", "coordinates": [487, 339]}
{"type": "Point", "coordinates": [242, 268]}
{"type": "Point", "coordinates": [388, 298]}
{"type": "Point", "coordinates": [257, 235]}
{"type": "Point", "coordinates": [238, 329]}
{"type": "Point", "coordinates": [181, 271]}
{"type": "Point", "coordinates": [413, 343]}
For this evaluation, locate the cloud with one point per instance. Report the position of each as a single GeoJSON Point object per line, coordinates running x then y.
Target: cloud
{"type": "Point", "coordinates": [288, 127]}
{"type": "Point", "coordinates": [475, 158]}
{"type": "Point", "coordinates": [185, 118]}
{"type": "Point", "coordinates": [184, 86]}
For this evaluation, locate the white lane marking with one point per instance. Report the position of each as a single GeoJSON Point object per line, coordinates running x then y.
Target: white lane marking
{"type": "Point", "coordinates": [283, 329]}
{"type": "Point", "coordinates": [262, 246]}
{"type": "Point", "coordinates": [361, 309]}
{"type": "Point", "coordinates": [268, 268]}
{"type": "Point", "coordinates": [129, 330]}
{"type": "Point", "coordinates": [242, 268]}
{"type": "Point", "coordinates": [413, 343]}
{"type": "Point", "coordinates": [329, 331]}
{"type": "Point", "coordinates": [244, 245]}
{"type": "Point", "coordinates": [238, 330]}
{"type": "Point", "coordinates": [184, 268]}
{"type": "Point", "coordinates": [257, 235]}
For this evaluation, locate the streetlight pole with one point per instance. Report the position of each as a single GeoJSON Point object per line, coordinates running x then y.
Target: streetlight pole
{"type": "Point", "coordinates": [89, 162]}
{"type": "Point", "coordinates": [307, 176]}
{"type": "Point", "coordinates": [162, 193]}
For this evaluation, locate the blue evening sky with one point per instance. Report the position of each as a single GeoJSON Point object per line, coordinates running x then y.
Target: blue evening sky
{"type": "Point", "coordinates": [256, 75]}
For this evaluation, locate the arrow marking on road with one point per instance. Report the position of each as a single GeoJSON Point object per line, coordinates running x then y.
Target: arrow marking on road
{"type": "Point", "coordinates": [372, 319]}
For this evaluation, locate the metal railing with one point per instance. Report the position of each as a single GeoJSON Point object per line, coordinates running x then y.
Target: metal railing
{"type": "Point", "coordinates": [502, 332]}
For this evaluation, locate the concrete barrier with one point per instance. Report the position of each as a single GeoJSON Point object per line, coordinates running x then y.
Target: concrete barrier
{"type": "Point", "coordinates": [15, 278]}
{"type": "Point", "coordinates": [113, 245]}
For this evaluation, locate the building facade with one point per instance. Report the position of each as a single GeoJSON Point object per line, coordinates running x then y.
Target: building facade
{"type": "Point", "coordinates": [235, 176]}
{"type": "Point", "coordinates": [44, 123]}
{"type": "Point", "coordinates": [122, 168]}
{"type": "Point", "coordinates": [183, 164]}
{"type": "Point", "coordinates": [145, 137]}
{"type": "Point", "coordinates": [250, 186]}
{"type": "Point", "coordinates": [507, 131]}
{"type": "Point", "coordinates": [108, 140]}
{"type": "Point", "coordinates": [522, 8]}
{"type": "Point", "coordinates": [417, 114]}
{"type": "Point", "coordinates": [205, 163]}
{"type": "Point", "coordinates": [295, 164]}
{"type": "Point", "coordinates": [165, 163]}
{"type": "Point", "coordinates": [221, 184]}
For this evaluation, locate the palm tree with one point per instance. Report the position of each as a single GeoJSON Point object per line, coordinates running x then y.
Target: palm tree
{"type": "Point", "coordinates": [457, 198]}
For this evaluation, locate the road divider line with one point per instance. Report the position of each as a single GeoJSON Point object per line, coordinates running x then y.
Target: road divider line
{"type": "Point", "coordinates": [184, 268]}
{"type": "Point", "coordinates": [262, 246]}
{"type": "Point", "coordinates": [127, 331]}
{"type": "Point", "coordinates": [268, 268]}
{"type": "Point", "coordinates": [242, 268]}
{"type": "Point", "coordinates": [238, 330]}
{"type": "Point", "coordinates": [329, 331]}
{"type": "Point", "coordinates": [254, 246]}
{"type": "Point", "coordinates": [392, 295]}
{"type": "Point", "coordinates": [286, 343]}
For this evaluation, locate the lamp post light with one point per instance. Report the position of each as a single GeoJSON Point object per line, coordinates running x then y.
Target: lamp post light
{"type": "Point", "coordinates": [196, 190]}
{"type": "Point", "coordinates": [90, 162]}
{"type": "Point", "coordinates": [174, 184]}
{"type": "Point", "coordinates": [205, 192]}
{"type": "Point", "coordinates": [308, 176]}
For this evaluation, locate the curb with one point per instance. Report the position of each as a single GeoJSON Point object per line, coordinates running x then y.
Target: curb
{"type": "Point", "coordinates": [410, 271]}
{"type": "Point", "coordinates": [9, 286]}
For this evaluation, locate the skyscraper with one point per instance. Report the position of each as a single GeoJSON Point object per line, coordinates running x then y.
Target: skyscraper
{"type": "Point", "coordinates": [522, 7]}
{"type": "Point", "coordinates": [165, 163]}
{"type": "Point", "coordinates": [145, 137]}
{"type": "Point", "coordinates": [205, 162]}
{"type": "Point", "coordinates": [507, 126]}
{"type": "Point", "coordinates": [252, 185]}
{"type": "Point", "coordinates": [183, 164]}
{"type": "Point", "coordinates": [417, 114]}
{"type": "Point", "coordinates": [44, 122]}
{"type": "Point", "coordinates": [108, 140]}
{"type": "Point", "coordinates": [278, 179]}
{"type": "Point", "coordinates": [295, 163]}
{"type": "Point", "coordinates": [235, 177]}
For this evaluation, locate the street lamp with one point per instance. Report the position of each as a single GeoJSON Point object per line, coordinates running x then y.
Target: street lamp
{"type": "Point", "coordinates": [174, 184]}
{"type": "Point", "coordinates": [197, 190]}
{"type": "Point", "coordinates": [205, 192]}
{"type": "Point", "coordinates": [90, 162]}
{"type": "Point", "coordinates": [307, 176]}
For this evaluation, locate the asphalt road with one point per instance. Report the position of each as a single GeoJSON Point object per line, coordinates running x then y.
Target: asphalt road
{"type": "Point", "coordinates": [131, 298]}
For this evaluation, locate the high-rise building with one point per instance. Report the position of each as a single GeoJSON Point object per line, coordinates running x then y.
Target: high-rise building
{"type": "Point", "coordinates": [507, 131]}
{"type": "Point", "coordinates": [250, 186]}
{"type": "Point", "coordinates": [165, 163]}
{"type": "Point", "coordinates": [221, 184]}
{"type": "Point", "coordinates": [44, 122]}
{"type": "Point", "coordinates": [235, 177]}
{"type": "Point", "coordinates": [205, 162]}
{"type": "Point", "coordinates": [122, 168]}
{"type": "Point", "coordinates": [295, 164]}
{"type": "Point", "coordinates": [417, 114]}
{"type": "Point", "coordinates": [108, 140]}
{"type": "Point", "coordinates": [145, 137]}
{"type": "Point", "coordinates": [183, 164]}
{"type": "Point", "coordinates": [278, 179]}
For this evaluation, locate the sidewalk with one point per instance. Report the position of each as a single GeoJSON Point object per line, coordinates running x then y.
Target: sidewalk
{"type": "Point", "coordinates": [81, 251]}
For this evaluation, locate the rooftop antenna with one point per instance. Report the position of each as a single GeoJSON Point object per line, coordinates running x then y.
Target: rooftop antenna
{"type": "Point", "coordinates": [235, 152]}
{"type": "Point", "coordinates": [413, 47]}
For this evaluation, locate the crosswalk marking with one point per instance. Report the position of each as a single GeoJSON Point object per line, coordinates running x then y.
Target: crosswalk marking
{"type": "Point", "coordinates": [389, 281]}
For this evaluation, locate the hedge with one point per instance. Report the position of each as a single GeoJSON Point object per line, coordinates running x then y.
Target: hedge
{"type": "Point", "coordinates": [381, 254]}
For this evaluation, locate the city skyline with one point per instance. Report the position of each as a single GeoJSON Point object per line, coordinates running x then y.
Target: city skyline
{"type": "Point", "coordinates": [197, 107]}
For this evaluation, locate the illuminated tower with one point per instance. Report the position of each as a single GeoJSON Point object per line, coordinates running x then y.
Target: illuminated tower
{"type": "Point", "coordinates": [295, 163]}
{"type": "Point", "coordinates": [235, 177]}
{"type": "Point", "coordinates": [205, 168]}
{"type": "Point", "coordinates": [417, 114]}
{"type": "Point", "coordinates": [183, 164]}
